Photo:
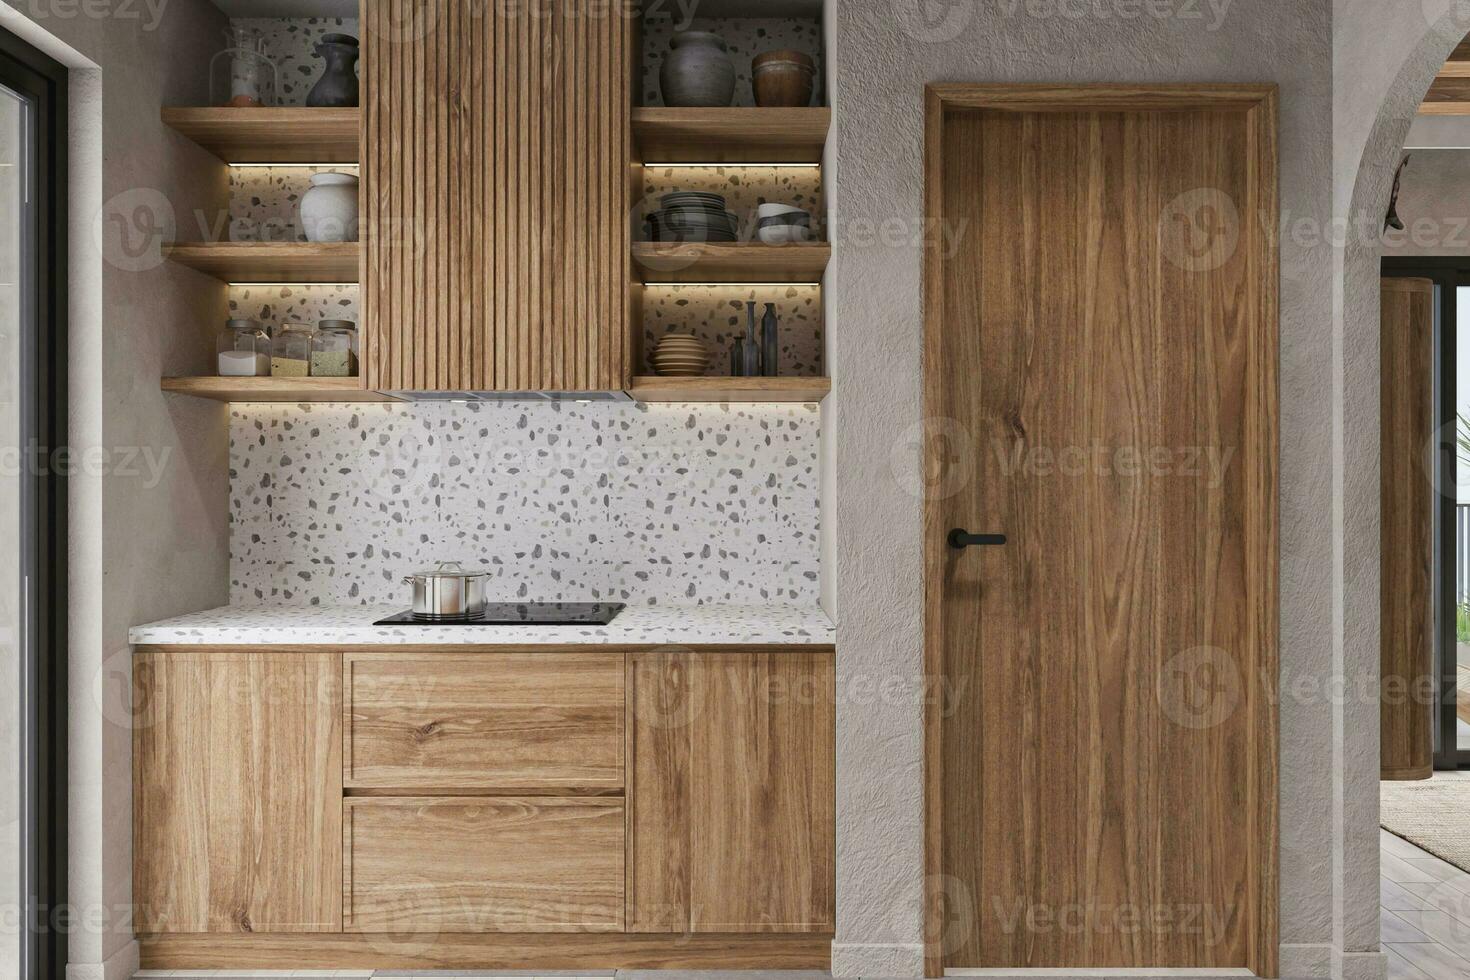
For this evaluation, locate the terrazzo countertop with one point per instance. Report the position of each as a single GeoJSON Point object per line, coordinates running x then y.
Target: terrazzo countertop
{"type": "Point", "coordinates": [353, 626]}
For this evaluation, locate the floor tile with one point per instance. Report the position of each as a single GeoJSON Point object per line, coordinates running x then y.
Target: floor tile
{"type": "Point", "coordinates": [1397, 869]}
{"type": "Point", "coordinates": [1394, 896]}
{"type": "Point", "coordinates": [1433, 959]}
{"type": "Point", "coordinates": [1400, 968]}
{"type": "Point", "coordinates": [1393, 928]}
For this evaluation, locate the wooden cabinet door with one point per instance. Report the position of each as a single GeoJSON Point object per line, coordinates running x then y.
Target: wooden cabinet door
{"type": "Point", "coordinates": [730, 792]}
{"type": "Point", "coordinates": [494, 173]}
{"type": "Point", "coordinates": [514, 722]}
{"type": "Point", "coordinates": [237, 792]}
{"type": "Point", "coordinates": [483, 864]}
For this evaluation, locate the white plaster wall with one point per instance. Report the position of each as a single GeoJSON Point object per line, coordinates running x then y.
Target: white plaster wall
{"type": "Point", "coordinates": [881, 56]}
{"type": "Point", "coordinates": [148, 519]}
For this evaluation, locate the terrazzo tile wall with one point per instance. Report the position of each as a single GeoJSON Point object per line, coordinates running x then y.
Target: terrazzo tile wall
{"type": "Point", "coordinates": [745, 38]}
{"type": "Point", "coordinates": [289, 42]}
{"type": "Point", "coordinates": [646, 504]}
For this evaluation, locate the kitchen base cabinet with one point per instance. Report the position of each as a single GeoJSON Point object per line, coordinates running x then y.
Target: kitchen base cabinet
{"type": "Point", "coordinates": [730, 792]}
{"type": "Point", "coordinates": [237, 788]}
{"type": "Point", "coordinates": [482, 864]}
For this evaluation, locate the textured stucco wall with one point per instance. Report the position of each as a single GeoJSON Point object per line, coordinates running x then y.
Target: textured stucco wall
{"type": "Point", "coordinates": [1434, 204]}
{"type": "Point", "coordinates": [148, 525]}
{"type": "Point", "coordinates": [883, 54]}
{"type": "Point", "coordinates": [1384, 57]}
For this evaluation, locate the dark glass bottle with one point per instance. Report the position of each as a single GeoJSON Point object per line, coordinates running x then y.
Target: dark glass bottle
{"type": "Point", "coordinates": [770, 343]}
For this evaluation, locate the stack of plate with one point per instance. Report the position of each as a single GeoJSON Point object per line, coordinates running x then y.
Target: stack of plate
{"type": "Point", "coordinates": [692, 216]}
{"type": "Point", "coordinates": [681, 356]}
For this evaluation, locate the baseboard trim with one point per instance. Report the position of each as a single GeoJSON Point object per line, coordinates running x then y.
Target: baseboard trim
{"type": "Point", "coordinates": [121, 965]}
{"type": "Point", "coordinates": [1306, 961]}
{"type": "Point", "coordinates": [1359, 966]}
{"type": "Point", "coordinates": [485, 951]}
{"type": "Point", "coordinates": [877, 959]}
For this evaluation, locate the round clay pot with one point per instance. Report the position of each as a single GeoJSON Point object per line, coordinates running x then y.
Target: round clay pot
{"type": "Point", "coordinates": [782, 82]}
{"type": "Point", "coordinates": [697, 71]}
{"type": "Point", "coordinates": [329, 208]}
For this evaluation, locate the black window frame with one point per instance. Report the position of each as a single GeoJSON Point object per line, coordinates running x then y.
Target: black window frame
{"type": "Point", "coordinates": [43, 791]}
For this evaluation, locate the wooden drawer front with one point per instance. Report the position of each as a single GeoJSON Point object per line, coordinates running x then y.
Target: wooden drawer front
{"type": "Point", "coordinates": [512, 722]}
{"type": "Point", "coordinates": [483, 864]}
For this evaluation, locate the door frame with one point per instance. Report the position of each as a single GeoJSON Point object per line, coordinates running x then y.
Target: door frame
{"type": "Point", "coordinates": [1260, 101]}
{"type": "Point", "coordinates": [1447, 272]}
{"type": "Point", "coordinates": [43, 545]}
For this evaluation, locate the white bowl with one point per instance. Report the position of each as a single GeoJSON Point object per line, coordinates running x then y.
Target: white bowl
{"type": "Point", "coordinates": [781, 234]}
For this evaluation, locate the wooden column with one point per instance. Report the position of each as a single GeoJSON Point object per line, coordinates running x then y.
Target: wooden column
{"type": "Point", "coordinates": [1406, 352]}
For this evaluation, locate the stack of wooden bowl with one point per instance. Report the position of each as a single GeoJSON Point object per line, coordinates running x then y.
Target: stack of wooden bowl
{"type": "Point", "coordinates": [681, 355]}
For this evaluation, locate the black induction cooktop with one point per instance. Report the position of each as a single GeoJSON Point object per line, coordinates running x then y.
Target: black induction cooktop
{"type": "Point", "coordinates": [519, 614]}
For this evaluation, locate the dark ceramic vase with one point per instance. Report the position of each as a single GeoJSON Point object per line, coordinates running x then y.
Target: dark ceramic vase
{"type": "Point", "coordinates": [338, 85]}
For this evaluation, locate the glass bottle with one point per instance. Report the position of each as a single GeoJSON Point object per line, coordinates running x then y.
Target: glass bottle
{"type": "Point", "coordinates": [291, 351]}
{"type": "Point", "coordinates": [242, 75]}
{"type": "Point", "coordinates": [244, 350]}
{"type": "Point", "coordinates": [334, 349]}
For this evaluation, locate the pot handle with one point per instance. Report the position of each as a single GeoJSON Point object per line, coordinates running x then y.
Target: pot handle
{"type": "Point", "coordinates": [443, 565]}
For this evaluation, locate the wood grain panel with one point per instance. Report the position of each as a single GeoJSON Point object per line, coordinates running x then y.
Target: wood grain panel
{"type": "Point", "coordinates": [446, 721]}
{"type": "Point", "coordinates": [487, 951]}
{"type": "Point", "coordinates": [496, 143]}
{"type": "Point", "coordinates": [271, 134]}
{"type": "Point", "coordinates": [270, 261]}
{"type": "Point", "coordinates": [730, 794]}
{"type": "Point", "coordinates": [667, 134]}
{"type": "Point", "coordinates": [502, 864]}
{"type": "Point", "coordinates": [274, 389]}
{"type": "Point", "coordinates": [1406, 537]}
{"type": "Point", "coordinates": [1104, 339]}
{"type": "Point", "coordinates": [236, 792]}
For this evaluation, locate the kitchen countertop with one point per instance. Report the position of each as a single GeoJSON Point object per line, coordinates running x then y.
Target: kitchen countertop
{"type": "Point", "coordinates": [353, 626]}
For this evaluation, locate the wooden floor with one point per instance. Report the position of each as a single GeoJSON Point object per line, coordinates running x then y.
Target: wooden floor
{"type": "Point", "coordinates": [1425, 914]}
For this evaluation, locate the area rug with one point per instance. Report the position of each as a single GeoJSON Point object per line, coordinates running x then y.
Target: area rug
{"type": "Point", "coordinates": [1433, 814]}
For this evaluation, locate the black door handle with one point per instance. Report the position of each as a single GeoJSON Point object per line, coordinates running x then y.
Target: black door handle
{"type": "Point", "coordinates": [960, 538]}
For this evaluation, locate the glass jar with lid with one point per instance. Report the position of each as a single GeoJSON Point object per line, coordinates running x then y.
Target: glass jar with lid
{"type": "Point", "coordinates": [244, 350]}
{"type": "Point", "coordinates": [334, 349]}
{"type": "Point", "coordinates": [291, 351]}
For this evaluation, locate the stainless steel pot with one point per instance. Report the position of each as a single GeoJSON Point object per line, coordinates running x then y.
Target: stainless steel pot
{"type": "Point", "coordinates": [448, 592]}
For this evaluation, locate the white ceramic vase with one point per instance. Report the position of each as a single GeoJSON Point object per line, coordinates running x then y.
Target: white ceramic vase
{"type": "Point", "coordinates": [329, 208]}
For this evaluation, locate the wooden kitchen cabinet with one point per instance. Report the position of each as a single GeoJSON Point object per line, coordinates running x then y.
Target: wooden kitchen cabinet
{"type": "Point", "coordinates": [512, 722]}
{"type": "Point", "coordinates": [495, 195]}
{"type": "Point", "coordinates": [483, 864]}
{"type": "Point", "coordinates": [730, 792]}
{"type": "Point", "coordinates": [237, 786]}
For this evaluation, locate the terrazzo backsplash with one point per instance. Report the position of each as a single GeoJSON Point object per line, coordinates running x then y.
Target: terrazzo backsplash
{"type": "Point", "coordinates": [646, 504]}
{"type": "Point", "coordinates": [290, 42]}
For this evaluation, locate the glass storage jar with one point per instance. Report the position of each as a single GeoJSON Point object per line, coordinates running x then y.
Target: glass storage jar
{"type": "Point", "coordinates": [334, 349]}
{"type": "Point", "coordinates": [291, 351]}
{"type": "Point", "coordinates": [244, 350]}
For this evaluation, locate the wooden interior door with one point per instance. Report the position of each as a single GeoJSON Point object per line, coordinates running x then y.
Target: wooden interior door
{"type": "Point", "coordinates": [1406, 536]}
{"type": "Point", "coordinates": [730, 792]}
{"type": "Point", "coordinates": [1101, 345]}
{"type": "Point", "coordinates": [237, 791]}
{"type": "Point", "coordinates": [494, 174]}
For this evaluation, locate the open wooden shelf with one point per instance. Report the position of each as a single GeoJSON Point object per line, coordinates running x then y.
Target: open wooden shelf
{"type": "Point", "coordinates": [657, 389]}
{"type": "Point", "coordinates": [731, 135]}
{"type": "Point", "coordinates": [285, 134]}
{"type": "Point", "coordinates": [730, 261]}
{"type": "Point", "coordinates": [275, 389]}
{"type": "Point", "coordinates": [270, 261]}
